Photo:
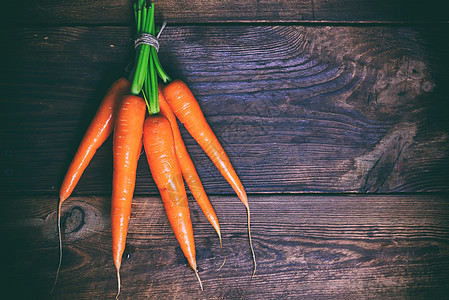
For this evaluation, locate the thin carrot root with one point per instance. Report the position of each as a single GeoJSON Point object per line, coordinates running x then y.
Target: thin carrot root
{"type": "Point", "coordinates": [251, 243]}
{"type": "Point", "coordinates": [222, 252]}
{"type": "Point", "coordinates": [60, 247]}
{"type": "Point", "coordinates": [118, 284]}
{"type": "Point", "coordinates": [199, 280]}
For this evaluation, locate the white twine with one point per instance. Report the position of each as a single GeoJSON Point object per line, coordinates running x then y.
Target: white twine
{"type": "Point", "coordinates": [149, 39]}
{"type": "Point", "coordinates": [162, 28]}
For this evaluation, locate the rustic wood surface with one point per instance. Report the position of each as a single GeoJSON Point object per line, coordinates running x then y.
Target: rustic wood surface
{"type": "Point", "coordinates": [367, 117]}
{"type": "Point", "coordinates": [227, 11]}
{"type": "Point", "coordinates": [334, 114]}
{"type": "Point", "coordinates": [384, 246]}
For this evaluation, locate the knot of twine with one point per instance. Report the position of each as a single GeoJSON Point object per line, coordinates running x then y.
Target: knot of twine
{"type": "Point", "coordinates": [149, 39]}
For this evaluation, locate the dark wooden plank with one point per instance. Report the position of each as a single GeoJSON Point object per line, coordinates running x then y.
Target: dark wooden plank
{"type": "Point", "coordinates": [119, 12]}
{"type": "Point", "coordinates": [298, 109]}
{"type": "Point", "coordinates": [389, 247]}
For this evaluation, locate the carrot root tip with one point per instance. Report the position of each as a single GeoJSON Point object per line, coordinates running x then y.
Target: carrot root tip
{"type": "Point", "coordinates": [199, 280]}
{"type": "Point", "coordinates": [60, 246]}
{"type": "Point", "coordinates": [118, 284]}
{"type": "Point", "coordinates": [223, 263]}
{"type": "Point", "coordinates": [251, 243]}
{"type": "Point", "coordinates": [222, 252]}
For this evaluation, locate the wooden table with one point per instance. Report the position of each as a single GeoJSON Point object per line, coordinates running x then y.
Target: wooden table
{"type": "Point", "coordinates": [334, 114]}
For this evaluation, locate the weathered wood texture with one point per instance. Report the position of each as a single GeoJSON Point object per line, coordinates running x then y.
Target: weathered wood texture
{"type": "Point", "coordinates": [356, 107]}
{"type": "Point", "coordinates": [383, 247]}
{"type": "Point", "coordinates": [229, 11]}
{"type": "Point", "coordinates": [298, 109]}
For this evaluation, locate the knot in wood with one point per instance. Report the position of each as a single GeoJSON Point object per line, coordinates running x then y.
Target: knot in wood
{"type": "Point", "coordinates": [73, 220]}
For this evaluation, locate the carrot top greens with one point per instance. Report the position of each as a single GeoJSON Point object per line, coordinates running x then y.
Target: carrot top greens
{"type": "Point", "coordinates": [147, 67]}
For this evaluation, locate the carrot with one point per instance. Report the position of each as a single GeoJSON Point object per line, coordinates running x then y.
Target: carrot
{"type": "Point", "coordinates": [187, 167]}
{"type": "Point", "coordinates": [126, 149]}
{"type": "Point", "coordinates": [98, 131]}
{"type": "Point", "coordinates": [188, 111]}
{"type": "Point", "coordinates": [160, 151]}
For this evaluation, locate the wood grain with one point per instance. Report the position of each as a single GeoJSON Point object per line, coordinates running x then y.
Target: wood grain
{"type": "Point", "coordinates": [391, 246]}
{"type": "Point", "coordinates": [313, 117]}
{"type": "Point", "coordinates": [118, 12]}
{"type": "Point", "coordinates": [298, 109]}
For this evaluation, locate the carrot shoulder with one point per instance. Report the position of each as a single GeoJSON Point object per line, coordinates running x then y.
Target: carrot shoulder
{"type": "Point", "coordinates": [187, 110]}
{"type": "Point", "coordinates": [160, 151]}
{"type": "Point", "coordinates": [187, 167]}
{"type": "Point", "coordinates": [126, 149]}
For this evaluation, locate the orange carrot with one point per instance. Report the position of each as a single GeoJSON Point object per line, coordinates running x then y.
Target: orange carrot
{"type": "Point", "coordinates": [126, 149]}
{"type": "Point", "coordinates": [187, 168]}
{"type": "Point", "coordinates": [98, 131]}
{"type": "Point", "coordinates": [188, 111]}
{"type": "Point", "coordinates": [160, 151]}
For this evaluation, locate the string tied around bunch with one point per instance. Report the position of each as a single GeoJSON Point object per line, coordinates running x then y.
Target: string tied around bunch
{"type": "Point", "coordinates": [149, 39]}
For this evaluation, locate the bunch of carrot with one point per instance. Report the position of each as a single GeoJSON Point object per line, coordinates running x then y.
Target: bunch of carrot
{"type": "Point", "coordinates": [123, 113]}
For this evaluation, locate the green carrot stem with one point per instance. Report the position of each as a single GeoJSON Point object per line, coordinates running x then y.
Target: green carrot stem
{"type": "Point", "coordinates": [141, 69]}
{"type": "Point", "coordinates": [150, 23]}
{"type": "Point", "coordinates": [160, 71]}
{"type": "Point", "coordinates": [154, 103]}
{"type": "Point", "coordinates": [147, 68]}
{"type": "Point", "coordinates": [144, 20]}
